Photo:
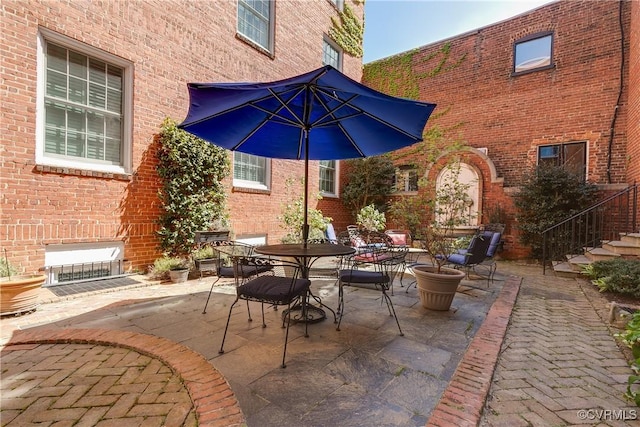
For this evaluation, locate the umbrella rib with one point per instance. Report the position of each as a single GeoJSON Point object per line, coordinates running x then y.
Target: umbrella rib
{"type": "Point", "coordinates": [299, 122]}
{"type": "Point", "coordinates": [359, 112]}
{"type": "Point", "coordinates": [270, 115]}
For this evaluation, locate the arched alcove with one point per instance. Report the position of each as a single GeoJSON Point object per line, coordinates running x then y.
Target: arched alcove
{"type": "Point", "coordinates": [468, 176]}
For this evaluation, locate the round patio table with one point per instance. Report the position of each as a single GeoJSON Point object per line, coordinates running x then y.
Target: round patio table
{"type": "Point", "coordinates": [305, 256]}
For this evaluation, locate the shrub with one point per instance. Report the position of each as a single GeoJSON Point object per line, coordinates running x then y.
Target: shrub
{"type": "Point", "coordinates": [161, 266]}
{"type": "Point", "coordinates": [7, 269]}
{"type": "Point", "coordinates": [192, 195]}
{"type": "Point", "coordinates": [368, 181]}
{"type": "Point", "coordinates": [292, 218]}
{"type": "Point", "coordinates": [205, 252]}
{"type": "Point", "coordinates": [618, 275]}
{"type": "Point", "coordinates": [371, 219]}
{"type": "Point", "coordinates": [548, 195]}
{"type": "Point", "coordinates": [631, 337]}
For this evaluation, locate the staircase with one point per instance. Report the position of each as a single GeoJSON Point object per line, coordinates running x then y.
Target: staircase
{"type": "Point", "coordinates": [627, 247]}
{"type": "Point", "coordinates": [606, 230]}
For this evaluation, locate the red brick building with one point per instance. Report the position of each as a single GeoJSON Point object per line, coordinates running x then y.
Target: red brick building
{"type": "Point", "coordinates": [86, 87]}
{"type": "Point", "coordinates": [560, 83]}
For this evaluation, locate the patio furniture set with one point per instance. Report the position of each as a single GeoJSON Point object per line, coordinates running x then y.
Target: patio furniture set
{"type": "Point", "coordinates": [278, 275]}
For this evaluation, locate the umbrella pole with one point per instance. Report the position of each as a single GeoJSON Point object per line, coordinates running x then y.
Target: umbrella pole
{"type": "Point", "coordinates": [305, 224]}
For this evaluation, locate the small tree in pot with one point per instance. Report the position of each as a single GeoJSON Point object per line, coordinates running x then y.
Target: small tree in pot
{"type": "Point", "coordinates": [436, 283]}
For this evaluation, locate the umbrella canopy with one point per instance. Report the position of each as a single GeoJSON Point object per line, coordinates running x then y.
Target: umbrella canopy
{"type": "Point", "coordinates": [320, 115]}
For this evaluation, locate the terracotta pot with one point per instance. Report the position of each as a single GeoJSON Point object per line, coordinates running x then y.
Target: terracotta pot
{"type": "Point", "coordinates": [20, 294]}
{"type": "Point", "coordinates": [179, 276]}
{"type": "Point", "coordinates": [437, 290]}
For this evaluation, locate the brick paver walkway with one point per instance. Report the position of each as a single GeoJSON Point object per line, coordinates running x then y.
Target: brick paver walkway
{"type": "Point", "coordinates": [89, 385]}
{"type": "Point", "coordinates": [85, 377]}
{"type": "Point", "coordinates": [560, 365]}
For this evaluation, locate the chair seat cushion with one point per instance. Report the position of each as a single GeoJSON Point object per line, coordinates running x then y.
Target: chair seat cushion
{"type": "Point", "coordinates": [226, 272]}
{"type": "Point", "coordinates": [457, 258]}
{"type": "Point", "coordinates": [363, 276]}
{"type": "Point", "coordinates": [274, 288]}
{"type": "Point", "coordinates": [244, 271]}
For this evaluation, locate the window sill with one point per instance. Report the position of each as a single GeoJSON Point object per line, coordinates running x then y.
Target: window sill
{"type": "Point", "coordinates": [62, 170]}
{"type": "Point", "coordinates": [235, 189]}
{"type": "Point", "coordinates": [255, 45]}
{"type": "Point", "coordinates": [522, 73]}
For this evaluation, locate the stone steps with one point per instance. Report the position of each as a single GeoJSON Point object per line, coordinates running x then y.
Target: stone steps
{"type": "Point", "coordinates": [628, 247]}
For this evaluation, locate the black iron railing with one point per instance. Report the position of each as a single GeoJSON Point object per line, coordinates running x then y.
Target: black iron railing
{"type": "Point", "coordinates": [604, 221]}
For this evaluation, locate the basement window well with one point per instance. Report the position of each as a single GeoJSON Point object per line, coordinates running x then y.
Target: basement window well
{"type": "Point", "coordinates": [74, 263]}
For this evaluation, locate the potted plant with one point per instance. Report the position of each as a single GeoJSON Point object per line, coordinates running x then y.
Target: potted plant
{"type": "Point", "coordinates": [292, 217]}
{"type": "Point", "coordinates": [437, 284]}
{"type": "Point", "coordinates": [173, 268]}
{"type": "Point", "coordinates": [204, 259]}
{"type": "Point", "coordinates": [19, 293]}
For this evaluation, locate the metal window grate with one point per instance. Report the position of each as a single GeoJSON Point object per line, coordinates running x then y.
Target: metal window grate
{"type": "Point", "coordinates": [74, 273]}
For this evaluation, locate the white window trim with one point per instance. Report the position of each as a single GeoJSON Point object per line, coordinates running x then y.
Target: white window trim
{"type": "Point", "coordinates": [338, 4]}
{"type": "Point", "coordinates": [337, 48]}
{"type": "Point", "coordinates": [242, 183]}
{"type": "Point", "coordinates": [269, 49]}
{"type": "Point", "coordinates": [336, 182]}
{"type": "Point", "coordinates": [127, 105]}
{"type": "Point", "coordinates": [405, 192]}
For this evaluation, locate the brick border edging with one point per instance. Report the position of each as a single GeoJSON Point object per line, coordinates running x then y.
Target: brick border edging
{"type": "Point", "coordinates": [213, 400]}
{"type": "Point", "coordinates": [462, 402]}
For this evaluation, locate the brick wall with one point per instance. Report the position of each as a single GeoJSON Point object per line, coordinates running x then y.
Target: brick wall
{"type": "Point", "coordinates": [511, 116]}
{"type": "Point", "coordinates": [169, 43]}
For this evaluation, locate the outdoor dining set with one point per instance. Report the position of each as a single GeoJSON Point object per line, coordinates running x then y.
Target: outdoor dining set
{"type": "Point", "coordinates": [279, 275]}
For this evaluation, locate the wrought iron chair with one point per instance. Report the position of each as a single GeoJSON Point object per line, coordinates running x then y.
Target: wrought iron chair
{"type": "Point", "coordinates": [232, 250]}
{"type": "Point", "coordinates": [376, 269]}
{"type": "Point", "coordinates": [275, 290]}
{"type": "Point", "coordinates": [489, 262]}
{"type": "Point", "coordinates": [474, 255]}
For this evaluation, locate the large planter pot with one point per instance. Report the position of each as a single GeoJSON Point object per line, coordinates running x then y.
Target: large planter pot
{"type": "Point", "coordinates": [179, 276]}
{"type": "Point", "coordinates": [437, 290]}
{"type": "Point", "coordinates": [20, 294]}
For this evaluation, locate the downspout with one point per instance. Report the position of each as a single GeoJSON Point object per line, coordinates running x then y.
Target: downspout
{"type": "Point", "coordinates": [615, 109]}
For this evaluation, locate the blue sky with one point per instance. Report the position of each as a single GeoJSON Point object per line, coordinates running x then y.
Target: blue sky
{"type": "Point", "coordinates": [394, 26]}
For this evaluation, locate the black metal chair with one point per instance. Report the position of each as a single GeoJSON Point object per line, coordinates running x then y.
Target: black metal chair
{"type": "Point", "coordinates": [474, 255]}
{"type": "Point", "coordinates": [488, 262]}
{"type": "Point", "coordinates": [275, 290]}
{"type": "Point", "coordinates": [375, 269]}
{"type": "Point", "coordinates": [227, 252]}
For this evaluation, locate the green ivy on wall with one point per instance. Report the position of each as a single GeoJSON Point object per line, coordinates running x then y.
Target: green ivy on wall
{"type": "Point", "coordinates": [348, 32]}
{"type": "Point", "coordinates": [192, 196]}
{"type": "Point", "coordinates": [396, 75]}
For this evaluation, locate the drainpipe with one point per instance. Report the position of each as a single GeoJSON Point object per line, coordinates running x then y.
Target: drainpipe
{"type": "Point", "coordinates": [615, 109]}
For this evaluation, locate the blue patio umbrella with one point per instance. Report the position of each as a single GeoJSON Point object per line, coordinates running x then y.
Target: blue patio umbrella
{"type": "Point", "coordinates": [319, 115]}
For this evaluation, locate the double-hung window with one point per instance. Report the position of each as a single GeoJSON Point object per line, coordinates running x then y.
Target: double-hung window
{"type": "Point", "coordinates": [329, 177]}
{"type": "Point", "coordinates": [84, 101]}
{"type": "Point", "coordinates": [571, 156]}
{"type": "Point", "coordinates": [255, 22]}
{"type": "Point", "coordinates": [251, 171]}
{"type": "Point", "coordinates": [331, 55]}
{"type": "Point", "coordinates": [405, 180]}
{"type": "Point", "coordinates": [532, 53]}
